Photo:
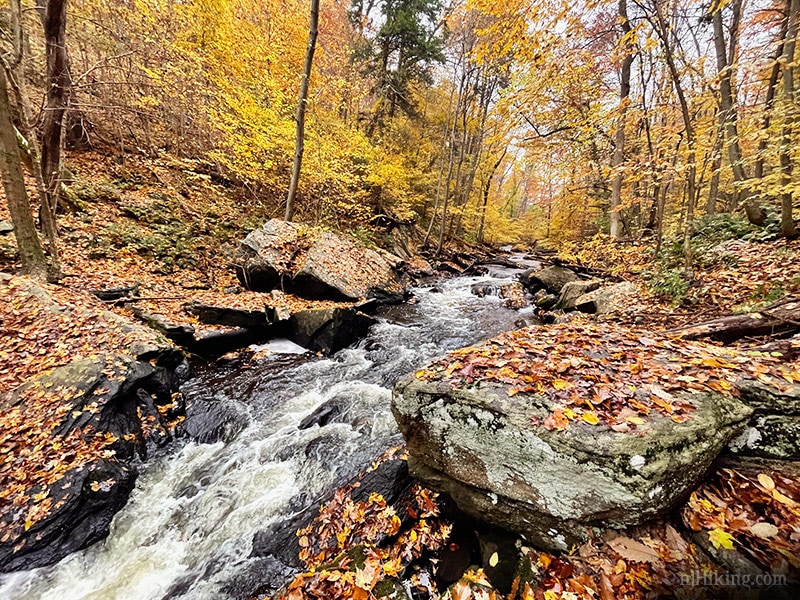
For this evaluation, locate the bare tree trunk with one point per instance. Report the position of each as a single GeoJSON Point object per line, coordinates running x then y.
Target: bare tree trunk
{"type": "Point", "coordinates": [30, 250]}
{"type": "Point", "coordinates": [441, 170]}
{"type": "Point", "coordinates": [299, 144]}
{"type": "Point", "coordinates": [716, 167]}
{"type": "Point", "coordinates": [486, 188]}
{"type": "Point", "coordinates": [729, 116]}
{"type": "Point", "coordinates": [451, 158]}
{"type": "Point", "coordinates": [662, 29]}
{"type": "Point", "coordinates": [619, 137]}
{"type": "Point", "coordinates": [54, 20]}
{"type": "Point", "coordinates": [769, 103]}
{"type": "Point", "coordinates": [787, 221]}
{"type": "Point", "coordinates": [16, 79]}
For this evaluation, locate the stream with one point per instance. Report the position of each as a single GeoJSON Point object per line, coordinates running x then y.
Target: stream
{"type": "Point", "coordinates": [188, 527]}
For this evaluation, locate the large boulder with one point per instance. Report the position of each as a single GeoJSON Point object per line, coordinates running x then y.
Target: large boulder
{"type": "Point", "coordinates": [609, 299]}
{"type": "Point", "coordinates": [317, 265]}
{"type": "Point", "coordinates": [83, 393]}
{"type": "Point", "coordinates": [502, 428]}
{"type": "Point", "coordinates": [552, 278]}
{"type": "Point", "coordinates": [69, 439]}
{"type": "Point", "coordinates": [573, 290]}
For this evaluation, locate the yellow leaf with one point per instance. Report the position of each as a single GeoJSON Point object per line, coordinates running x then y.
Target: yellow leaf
{"type": "Point", "coordinates": [560, 384]}
{"type": "Point", "coordinates": [494, 559]}
{"type": "Point", "coordinates": [721, 539]}
{"type": "Point", "coordinates": [635, 420]}
{"type": "Point", "coordinates": [783, 499]}
{"type": "Point", "coordinates": [766, 481]}
{"type": "Point", "coordinates": [590, 418]}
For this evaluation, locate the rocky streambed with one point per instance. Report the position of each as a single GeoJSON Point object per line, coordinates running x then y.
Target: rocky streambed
{"type": "Point", "coordinates": [281, 432]}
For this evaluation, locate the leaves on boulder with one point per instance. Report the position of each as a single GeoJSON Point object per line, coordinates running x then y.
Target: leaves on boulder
{"type": "Point", "coordinates": [604, 374]}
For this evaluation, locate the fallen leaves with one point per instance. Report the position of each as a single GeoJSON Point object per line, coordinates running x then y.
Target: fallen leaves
{"type": "Point", "coordinates": [758, 515]}
{"type": "Point", "coordinates": [350, 547]}
{"type": "Point", "coordinates": [604, 374]}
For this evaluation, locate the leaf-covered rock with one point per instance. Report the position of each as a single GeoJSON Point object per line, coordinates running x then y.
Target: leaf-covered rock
{"type": "Point", "coordinates": [67, 439]}
{"type": "Point", "coordinates": [316, 264]}
{"type": "Point", "coordinates": [548, 430]}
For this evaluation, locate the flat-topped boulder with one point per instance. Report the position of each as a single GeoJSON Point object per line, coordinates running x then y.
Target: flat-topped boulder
{"type": "Point", "coordinates": [316, 264]}
{"type": "Point", "coordinates": [551, 431]}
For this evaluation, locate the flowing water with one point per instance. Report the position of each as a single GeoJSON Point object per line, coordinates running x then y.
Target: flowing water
{"type": "Point", "coordinates": [187, 530]}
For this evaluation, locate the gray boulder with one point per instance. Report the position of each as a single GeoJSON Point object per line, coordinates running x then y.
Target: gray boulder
{"type": "Point", "coordinates": [491, 454]}
{"type": "Point", "coordinates": [609, 299]}
{"type": "Point", "coordinates": [316, 264]}
{"type": "Point", "coordinates": [573, 290]}
{"type": "Point", "coordinates": [551, 278]}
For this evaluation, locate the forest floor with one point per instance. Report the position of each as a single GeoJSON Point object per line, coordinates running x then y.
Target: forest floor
{"type": "Point", "coordinates": [162, 225]}
{"type": "Point", "coordinates": [166, 225]}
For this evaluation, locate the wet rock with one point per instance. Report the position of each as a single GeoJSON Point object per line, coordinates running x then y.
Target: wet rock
{"type": "Point", "coordinates": [259, 577]}
{"type": "Point", "coordinates": [222, 341]}
{"type": "Point", "coordinates": [328, 330]}
{"type": "Point", "coordinates": [115, 399]}
{"type": "Point", "coordinates": [514, 295]}
{"type": "Point", "coordinates": [573, 290]}
{"type": "Point", "coordinates": [180, 333]}
{"type": "Point", "coordinates": [325, 413]}
{"type": "Point", "coordinates": [231, 317]}
{"type": "Point", "coordinates": [493, 456]}
{"type": "Point", "coordinates": [553, 279]}
{"type": "Point", "coordinates": [213, 420]}
{"type": "Point", "coordinates": [544, 300]}
{"type": "Point", "coordinates": [317, 265]}
{"type": "Point", "coordinates": [482, 290]}
{"type": "Point", "coordinates": [455, 557]}
{"type": "Point", "coordinates": [609, 299]}
{"type": "Point", "coordinates": [526, 279]}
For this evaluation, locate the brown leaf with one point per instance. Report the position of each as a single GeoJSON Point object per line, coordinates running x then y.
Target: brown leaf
{"type": "Point", "coordinates": [632, 550]}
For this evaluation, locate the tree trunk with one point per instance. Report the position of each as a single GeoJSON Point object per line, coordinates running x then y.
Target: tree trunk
{"type": "Point", "coordinates": [769, 103]}
{"type": "Point", "coordinates": [16, 78]}
{"type": "Point", "coordinates": [451, 158]}
{"type": "Point", "coordinates": [54, 21]}
{"type": "Point", "coordinates": [728, 112]}
{"type": "Point", "coordinates": [787, 220]}
{"type": "Point", "coordinates": [716, 166]}
{"type": "Point", "coordinates": [486, 189]}
{"type": "Point", "coordinates": [662, 29]}
{"type": "Point", "coordinates": [30, 250]}
{"type": "Point", "coordinates": [619, 137]}
{"type": "Point", "coordinates": [299, 144]}
{"type": "Point", "coordinates": [780, 317]}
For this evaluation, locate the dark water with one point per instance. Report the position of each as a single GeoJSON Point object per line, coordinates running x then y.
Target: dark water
{"type": "Point", "coordinates": [192, 516]}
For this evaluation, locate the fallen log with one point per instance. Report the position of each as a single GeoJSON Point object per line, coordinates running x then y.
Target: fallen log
{"type": "Point", "coordinates": [781, 317]}
{"type": "Point", "coordinates": [788, 347]}
{"type": "Point", "coordinates": [117, 293]}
